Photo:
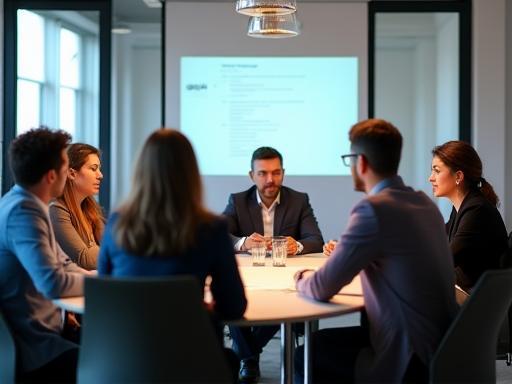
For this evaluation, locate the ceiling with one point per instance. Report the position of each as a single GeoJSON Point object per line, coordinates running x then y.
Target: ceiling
{"type": "Point", "coordinates": [136, 11]}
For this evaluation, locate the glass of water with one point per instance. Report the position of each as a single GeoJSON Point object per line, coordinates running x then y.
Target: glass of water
{"type": "Point", "coordinates": [279, 250]}
{"type": "Point", "coordinates": [258, 254]}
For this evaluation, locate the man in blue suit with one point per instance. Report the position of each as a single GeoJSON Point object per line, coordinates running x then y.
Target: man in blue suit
{"type": "Point", "coordinates": [33, 268]}
{"type": "Point", "coordinates": [267, 209]}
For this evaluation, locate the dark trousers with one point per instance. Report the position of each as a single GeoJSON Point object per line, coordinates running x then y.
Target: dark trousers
{"type": "Point", "coordinates": [248, 342]}
{"type": "Point", "coordinates": [334, 353]}
{"type": "Point", "coordinates": [62, 369]}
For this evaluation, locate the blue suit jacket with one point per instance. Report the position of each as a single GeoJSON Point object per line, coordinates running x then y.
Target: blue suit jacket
{"type": "Point", "coordinates": [212, 255]}
{"type": "Point", "coordinates": [33, 270]}
{"type": "Point", "coordinates": [293, 217]}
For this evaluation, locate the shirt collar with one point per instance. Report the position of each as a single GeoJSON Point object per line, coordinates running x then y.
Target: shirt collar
{"type": "Point", "coordinates": [386, 183]}
{"type": "Point", "coordinates": [276, 201]}
{"type": "Point", "coordinates": [19, 188]}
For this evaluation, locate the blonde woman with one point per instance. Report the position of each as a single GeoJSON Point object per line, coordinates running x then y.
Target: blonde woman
{"type": "Point", "coordinates": [76, 217]}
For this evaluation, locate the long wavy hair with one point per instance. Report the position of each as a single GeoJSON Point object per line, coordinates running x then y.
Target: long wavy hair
{"type": "Point", "coordinates": [86, 216]}
{"type": "Point", "coordinates": [165, 206]}
{"type": "Point", "coordinates": [461, 156]}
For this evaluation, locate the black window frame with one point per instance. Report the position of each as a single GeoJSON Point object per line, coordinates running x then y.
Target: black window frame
{"type": "Point", "coordinates": [464, 10]}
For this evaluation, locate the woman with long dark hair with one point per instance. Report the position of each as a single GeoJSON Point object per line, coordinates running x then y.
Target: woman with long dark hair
{"type": "Point", "coordinates": [476, 232]}
{"type": "Point", "coordinates": [163, 227]}
{"type": "Point", "coordinates": [77, 218]}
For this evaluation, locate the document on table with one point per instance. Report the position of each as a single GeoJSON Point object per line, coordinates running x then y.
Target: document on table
{"type": "Point", "coordinates": [274, 278]}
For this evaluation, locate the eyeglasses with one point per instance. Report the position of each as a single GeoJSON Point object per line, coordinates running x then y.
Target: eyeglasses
{"type": "Point", "coordinates": [349, 160]}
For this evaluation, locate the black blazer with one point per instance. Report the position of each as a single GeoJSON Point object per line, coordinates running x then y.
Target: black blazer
{"type": "Point", "coordinates": [293, 217]}
{"type": "Point", "coordinates": [478, 238]}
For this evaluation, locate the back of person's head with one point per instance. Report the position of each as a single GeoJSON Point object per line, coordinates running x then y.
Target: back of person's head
{"type": "Point", "coordinates": [35, 152]}
{"type": "Point", "coordinates": [165, 206]}
{"type": "Point", "coordinates": [461, 156]}
{"type": "Point", "coordinates": [380, 142]}
{"type": "Point", "coordinates": [86, 217]}
{"type": "Point", "coordinates": [266, 153]}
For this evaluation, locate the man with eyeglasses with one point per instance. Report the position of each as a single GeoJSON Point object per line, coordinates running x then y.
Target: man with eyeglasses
{"type": "Point", "coordinates": [395, 240]}
{"type": "Point", "coordinates": [267, 209]}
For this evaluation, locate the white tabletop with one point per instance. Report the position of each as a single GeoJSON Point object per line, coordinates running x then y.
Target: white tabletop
{"type": "Point", "coordinates": [271, 294]}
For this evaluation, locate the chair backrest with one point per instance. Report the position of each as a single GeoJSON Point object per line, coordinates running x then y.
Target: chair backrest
{"type": "Point", "coordinates": [7, 353]}
{"type": "Point", "coordinates": [467, 352]}
{"type": "Point", "coordinates": [506, 258]}
{"type": "Point", "coordinates": [148, 330]}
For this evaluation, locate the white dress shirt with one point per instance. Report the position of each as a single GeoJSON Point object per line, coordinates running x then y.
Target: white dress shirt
{"type": "Point", "coordinates": [267, 215]}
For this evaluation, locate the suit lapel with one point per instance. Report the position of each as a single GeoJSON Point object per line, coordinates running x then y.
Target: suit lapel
{"type": "Point", "coordinates": [255, 214]}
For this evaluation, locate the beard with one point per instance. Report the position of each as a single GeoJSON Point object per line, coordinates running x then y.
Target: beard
{"type": "Point", "coordinates": [358, 182]}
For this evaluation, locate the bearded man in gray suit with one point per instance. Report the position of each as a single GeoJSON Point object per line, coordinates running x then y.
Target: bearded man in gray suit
{"type": "Point", "coordinates": [33, 268]}
{"type": "Point", "coordinates": [395, 240]}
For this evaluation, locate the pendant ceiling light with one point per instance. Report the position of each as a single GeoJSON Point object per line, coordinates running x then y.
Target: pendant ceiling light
{"type": "Point", "coordinates": [273, 26]}
{"type": "Point", "coordinates": [266, 7]}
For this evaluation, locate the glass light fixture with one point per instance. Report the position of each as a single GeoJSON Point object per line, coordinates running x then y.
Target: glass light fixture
{"type": "Point", "coordinates": [273, 26]}
{"type": "Point", "coordinates": [266, 7]}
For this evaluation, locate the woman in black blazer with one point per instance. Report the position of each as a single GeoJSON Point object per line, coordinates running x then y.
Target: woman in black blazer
{"type": "Point", "coordinates": [476, 232]}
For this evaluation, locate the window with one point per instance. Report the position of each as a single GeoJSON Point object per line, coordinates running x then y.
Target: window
{"type": "Point", "coordinates": [56, 82]}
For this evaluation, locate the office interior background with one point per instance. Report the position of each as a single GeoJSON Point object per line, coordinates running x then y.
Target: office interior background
{"type": "Point", "coordinates": [412, 58]}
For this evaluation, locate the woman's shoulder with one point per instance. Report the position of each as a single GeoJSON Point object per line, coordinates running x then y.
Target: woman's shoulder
{"type": "Point", "coordinates": [58, 208]}
{"type": "Point", "coordinates": [477, 201]}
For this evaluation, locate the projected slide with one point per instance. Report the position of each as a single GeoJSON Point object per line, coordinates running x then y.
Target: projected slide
{"type": "Point", "coordinates": [302, 106]}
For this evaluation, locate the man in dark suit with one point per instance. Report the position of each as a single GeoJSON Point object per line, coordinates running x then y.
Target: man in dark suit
{"type": "Point", "coordinates": [267, 209]}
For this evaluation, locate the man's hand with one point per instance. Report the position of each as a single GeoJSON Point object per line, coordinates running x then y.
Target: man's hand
{"type": "Point", "coordinates": [329, 247]}
{"type": "Point", "coordinates": [291, 246]}
{"type": "Point", "coordinates": [302, 274]}
{"type": "Point", "coordinates": [252, 241]}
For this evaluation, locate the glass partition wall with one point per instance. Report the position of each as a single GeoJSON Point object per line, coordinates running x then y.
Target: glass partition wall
{"type": "Point", "coordinates": [419, 76]}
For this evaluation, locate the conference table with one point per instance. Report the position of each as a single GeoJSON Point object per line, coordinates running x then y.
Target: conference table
{"type": "Point", "coordinates": [272, 299]}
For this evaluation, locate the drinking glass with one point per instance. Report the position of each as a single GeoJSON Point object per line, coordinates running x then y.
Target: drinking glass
{"type": "Point", "coordinates": [279, 250]}
{"type": "Point", "coordinates": [258, 254]}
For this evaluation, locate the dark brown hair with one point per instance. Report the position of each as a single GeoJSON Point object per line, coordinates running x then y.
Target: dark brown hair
{"type": "Point", "coordinates": [165, 206]}
{"type": "Point", "coordinates": [461, 156]}
{"type": "Point", "coordinates": [35, 152]}
{"type": "Point", "coordinates": [87, 216]}
{"type": "Point", "coordinates": [380, 142]}
{"type": "Point", "coordinates": [263, 153]}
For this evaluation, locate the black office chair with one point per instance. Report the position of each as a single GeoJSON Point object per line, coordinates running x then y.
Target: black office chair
{"type": "Point", "coordinates": [505, 353]}
{"type": "Point", "coordinates": [148, 330]}
{"type": "Point", "coordinates": [7, 353]}
{"type": "Point", "coordinates": [467, 353]}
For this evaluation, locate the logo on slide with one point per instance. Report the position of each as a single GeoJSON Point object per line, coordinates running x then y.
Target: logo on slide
{"type": "Point", "coordinates": [196, 87]}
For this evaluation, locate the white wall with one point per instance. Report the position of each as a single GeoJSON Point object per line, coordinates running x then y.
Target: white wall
{"type": "Point", "coordinates": [136, 100]}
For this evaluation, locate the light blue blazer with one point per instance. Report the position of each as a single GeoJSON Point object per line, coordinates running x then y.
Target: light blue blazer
{"type": "Point", "coordinates": [33, 270]}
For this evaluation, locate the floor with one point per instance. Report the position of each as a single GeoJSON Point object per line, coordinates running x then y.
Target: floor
{"type": "Point", "coordinates": [270, 360]}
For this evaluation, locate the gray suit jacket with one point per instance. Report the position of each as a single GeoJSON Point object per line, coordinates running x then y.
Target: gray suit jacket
{"type": "Point", "coordinates": [84, 255]}
{"type": "Point", "coordinates": [396, 240]}
{"type": "Point", "coordinates": [293, 217]}
{"type": "Point", "coordinates": [33, 270]}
